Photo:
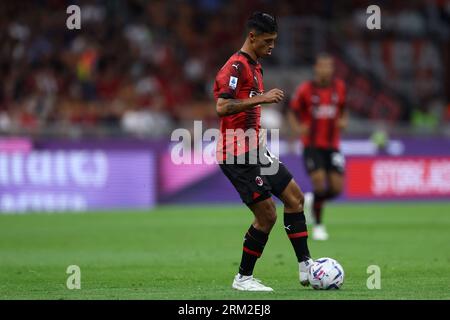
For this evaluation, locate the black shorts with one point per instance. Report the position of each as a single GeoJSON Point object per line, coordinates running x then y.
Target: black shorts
{"type": "Point", "coordinates": [251, 182]}
{"type": "Point", "coordinates": [326, 159]}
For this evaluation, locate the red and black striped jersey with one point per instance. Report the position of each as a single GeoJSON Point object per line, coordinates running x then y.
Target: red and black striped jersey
{"type": "Point", "coordinates": [320, 108]}
{"type": "Point", "coordinates": [240, 78]}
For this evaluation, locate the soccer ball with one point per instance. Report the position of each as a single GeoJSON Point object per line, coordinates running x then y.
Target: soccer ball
{"type": "Point", "coordinates": [325, 274]}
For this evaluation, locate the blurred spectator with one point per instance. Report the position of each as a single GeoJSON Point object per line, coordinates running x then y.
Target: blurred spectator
{"type": "Point", "coordinates": [424, 118]}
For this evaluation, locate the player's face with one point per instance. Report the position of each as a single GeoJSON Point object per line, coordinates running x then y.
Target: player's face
{"type": "Point", "coordinates": [324, 69]}
{"type": "Point", "coordinates": [263, 43]}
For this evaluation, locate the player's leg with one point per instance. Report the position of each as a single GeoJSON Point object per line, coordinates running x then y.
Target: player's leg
{"type": "Point", "coordinates": [322, 193]}
{"type": "Point", "coordinates": [315, 165]}
{"type": "Point", "coordinates": [257, 235]}
{"type": "Point", "coordinates": [336, 171]}
{"type": "Point", "coordinates": [334, 164]}
{"type": "Point", "coordinates": [295, 227]}
{"type": "Point", "coordinates": [294, 219]}
{"type": "Point", "coordinates": [318, 179]}
{"type": "Point", "coordinates": [254, 242]}
{"type": "Point", "coordinates": [335, 183]}
{"type": "Point", "coordinates": [287, 190]}
{"type": "Point", "coordinates": [327, 186]}
{"type": "Point", "coordinates": [334, 188]}
{"type": "Point", "coordinates": [254, 191]}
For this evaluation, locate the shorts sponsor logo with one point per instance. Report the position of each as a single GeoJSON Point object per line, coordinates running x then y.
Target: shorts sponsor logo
{"type": "Point", "coordinates": [325, 111]}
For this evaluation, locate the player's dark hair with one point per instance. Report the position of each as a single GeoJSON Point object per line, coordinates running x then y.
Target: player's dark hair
{"type": "Point", "coordinates": [262, 23]}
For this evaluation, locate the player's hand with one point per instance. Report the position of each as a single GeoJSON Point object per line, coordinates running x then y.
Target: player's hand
{"type": "Point", "coordinates": [273, 96]}
{"type": "Point", "coordinates": [342, 123]}
{"type": "Point", "coordinates": [303, 130]}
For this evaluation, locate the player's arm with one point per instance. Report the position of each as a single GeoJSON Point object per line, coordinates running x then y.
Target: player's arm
{"type": "Point", "coordinates": [226, 107]}
{"type": "Point", "coordinates": [343, 120]}
{"type": "Point", "coordinates": [298, 127]}
{"type": "Point", "coordinates": [343, 115]}
{"type": "Point", "coordinates": [297, 112]}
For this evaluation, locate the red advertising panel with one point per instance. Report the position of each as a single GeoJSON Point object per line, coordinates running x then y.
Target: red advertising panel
{"type": "Point", "coordinates": [402, 177]}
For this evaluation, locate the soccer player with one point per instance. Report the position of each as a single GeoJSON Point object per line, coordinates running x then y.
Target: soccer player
{"type": "Point", "coordinates": [317, 114]}
{"type": "Point", "coordinates": [239, 93]}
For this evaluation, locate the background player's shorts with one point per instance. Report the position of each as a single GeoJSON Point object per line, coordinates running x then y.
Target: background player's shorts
{"type": "Point", "coordinates": [251, 185]}
{"type": "Point", "coordinates": [326, 159]}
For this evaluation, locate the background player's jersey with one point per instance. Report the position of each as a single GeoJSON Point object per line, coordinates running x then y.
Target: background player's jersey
{"type": "Point", "coordinates": [320, 108]}
{"type": "Point", "coordinates": [240, 78]}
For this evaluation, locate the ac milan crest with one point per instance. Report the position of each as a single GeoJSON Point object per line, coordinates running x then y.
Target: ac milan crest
{"type": "Point", "coordinates": [259, 181]}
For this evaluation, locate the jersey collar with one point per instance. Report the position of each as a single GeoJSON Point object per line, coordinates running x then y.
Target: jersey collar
{"type": "Point", "coordinates": [318, 85]}
{"type": "Point", "coordinates": [250, 60]}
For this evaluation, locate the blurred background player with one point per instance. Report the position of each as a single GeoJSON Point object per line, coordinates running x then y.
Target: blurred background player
{"type": "Point", "coordinates": [239, 92]}
{"type": "Point", "coordinates": [318, 115]}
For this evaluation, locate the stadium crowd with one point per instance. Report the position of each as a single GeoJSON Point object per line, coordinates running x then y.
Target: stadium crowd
{"type": "Point", "coordinates": [142, 66]}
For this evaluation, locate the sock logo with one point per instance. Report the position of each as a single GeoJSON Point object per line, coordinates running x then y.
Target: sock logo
{"type": "Point", "coordinates": [288, 227]}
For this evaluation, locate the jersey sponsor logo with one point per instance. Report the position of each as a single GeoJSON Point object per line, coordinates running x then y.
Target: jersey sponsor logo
{"type": "Point", "coordinates": [233, 82]}
{"type": "Point", "coordinates": [325, 111]}
{"type": "Point", "coordinates": [259, 181]}
{"type": "Point", "coordinates": [254, 93]}
{"type": "Point", "coordinates": [235, 65]}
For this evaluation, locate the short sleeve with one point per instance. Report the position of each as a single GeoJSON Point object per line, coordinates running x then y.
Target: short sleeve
{"type": "Point", "coordinates": [342, 94]}
{"type": "Point", "coordinates": [229, 80]}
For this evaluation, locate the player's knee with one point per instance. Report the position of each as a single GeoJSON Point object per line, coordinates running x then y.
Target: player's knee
{"type": "Point", "coordinates": [301, 201]}
{"type": "Point", "coordinates": [271, 220]}
{"type": "Point", "coordinates": [266, 224]}
{"type": "Point", "coordinates": [319, 188]}
{"type": "Point", "coordinates": [335, 191]}
{"type": "Point", "coordinates": [295, 201]}
{"type": "Point", "coordinates": [271, 214]}
{"type": "Point", "coordinates": [268, 216]}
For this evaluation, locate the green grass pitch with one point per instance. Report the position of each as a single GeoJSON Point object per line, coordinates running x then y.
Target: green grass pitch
{"type": "Point", "coordinates": [187, 252]}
